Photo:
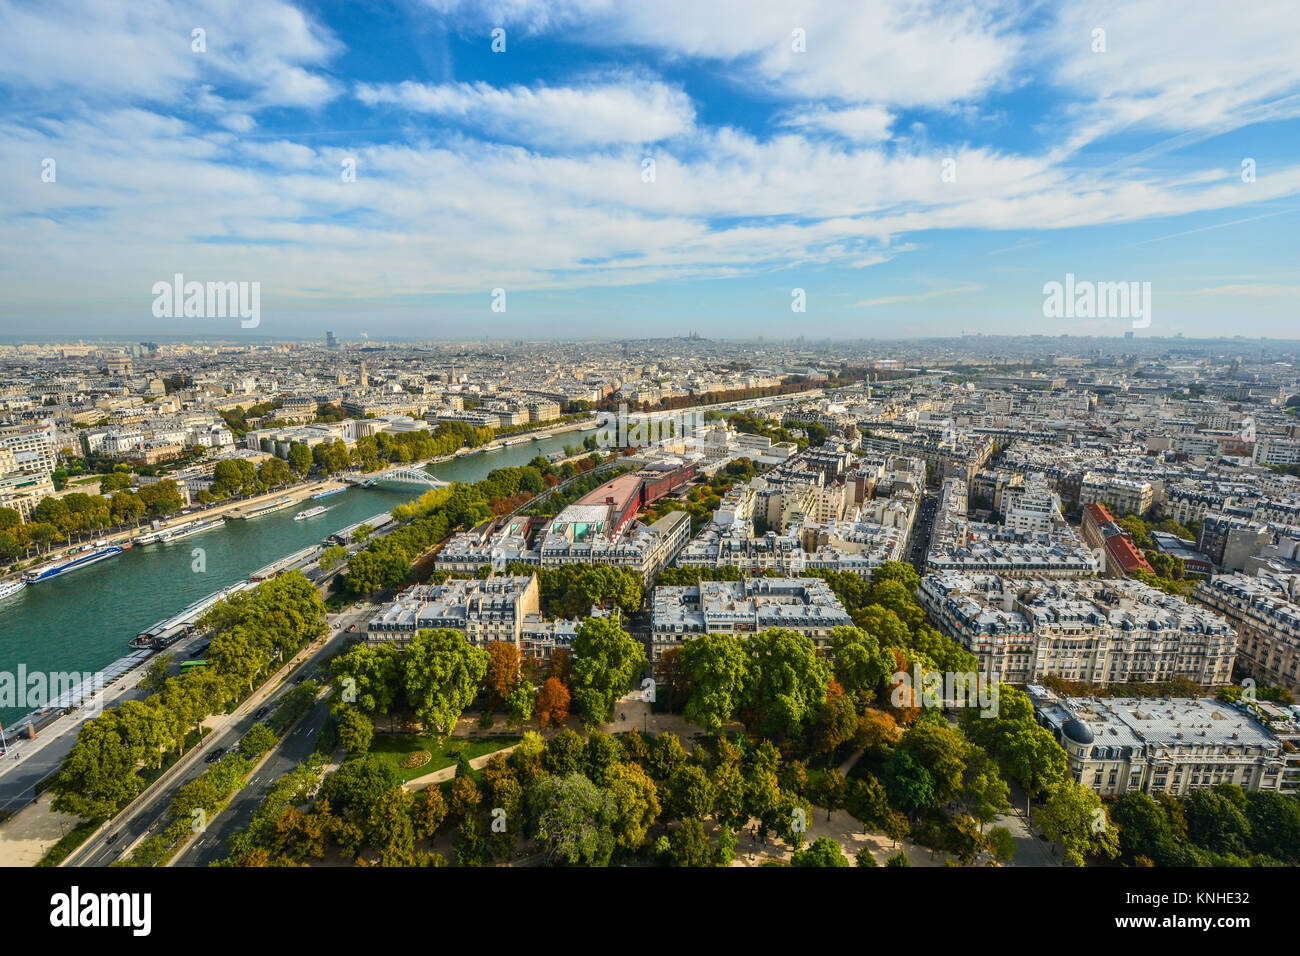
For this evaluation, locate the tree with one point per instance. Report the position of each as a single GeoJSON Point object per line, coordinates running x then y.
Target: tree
{"type": "Point", "coordinates": [155, 675]}
{"type": "Point", "coordinates": [300, 459]}
{"type": "Point", "coordinates": [389, 828]}
{"type": "Point", "coordinates": [519, 705]}
{"type": "Point", "coordinates": [601, 754]}
{"type": "Point", "coordinates": [789, 682]}
{"type": "Point", "coordinates": [717, 670]}
{"type": "Point", "coordinates": [428, 813]}
{"type": "Point", "coordinates": [565, 753]}
{"type": "Point", "coordinates": [606, 659]}
{"type": "Point", "coordinates": [1074, 817]}
{"type": "Point", "coordinates": [575, 819]}
{"type": "Point", "coordinates": [359, 784]}
{"type": "Point", "coordinates": [1003, 844]}
{"type": "Point", "coordinates": [823, 851]}
{"type": "Point", "coordinates": [987, 793]}
{"type": "Point", "coordinates": [909, 784]}
{"type": "Point", "coordinates": [98, 776]}
{"type": "Point", "coordinates": [689, 846]}
{"type": "Point", "coordinates": [552, 703]}
{"type": "Point", "coordinates": [690, 793]}
{"type": "Point", "coordinates": [862, 666]}
{"type": "Point", "coordinates": [836, 722]}
{"type": "Point", "coordinates": [941, 751]}
{"type": "Point", "coordinates": [502, 670]}
{"type": "Point", "coordinates": [636, 805]}
{"type": "Point", "coordinates": [442, 671]}
{"type": "Point", "coordinates": [259, 739]}
{"type": "Point", "coordinates": [356, 730]}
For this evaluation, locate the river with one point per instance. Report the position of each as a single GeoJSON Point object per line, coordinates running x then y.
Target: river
{"type": "Point", "coordinates": [82, 621]}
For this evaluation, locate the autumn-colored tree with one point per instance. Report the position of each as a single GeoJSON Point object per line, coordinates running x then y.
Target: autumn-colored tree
{"type": "Point", "coordinates": [502, 675]}
{"type": "Point", "coordinates": [428, 813]}
{"type": "Point", "coordinates": [878, 733]}
{"type": "Point", "coordinates": [552, 703]}
{"type": "Point", "coordinates": [561, 665]}
{"type": "Point", "coordinates": [904, 699]}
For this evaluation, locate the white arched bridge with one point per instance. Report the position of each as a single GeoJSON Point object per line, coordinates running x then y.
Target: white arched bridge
{"type": "Point", "coordinates": [401, 476]}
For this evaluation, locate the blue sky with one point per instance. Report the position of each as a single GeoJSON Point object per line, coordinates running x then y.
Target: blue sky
{"type": "Point", "coordinates": [775, 168]}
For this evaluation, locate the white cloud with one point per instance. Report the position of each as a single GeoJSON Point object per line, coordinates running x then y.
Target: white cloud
{"type": "Point", "coordinates": [628, 111]}
{"type": "Point", "coordinates": [140, 51]}
{"type": "Point", "coordinates": [861, 124]}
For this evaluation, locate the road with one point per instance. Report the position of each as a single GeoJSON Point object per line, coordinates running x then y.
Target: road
{"type": "Point", "coordinates": [149, 814]}
{"type": "Point", "coordinates": [29, 761]}
{"type": "Point", "coordinates": [922, 528]}
{"type": "Point", "coordinates": [291, 750]}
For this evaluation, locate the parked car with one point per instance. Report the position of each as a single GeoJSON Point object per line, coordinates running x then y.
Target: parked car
{"type": "Point", "coordinates": [215, 755]}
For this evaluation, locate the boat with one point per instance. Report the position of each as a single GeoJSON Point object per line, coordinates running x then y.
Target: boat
{"type": "Point", "coordinates": [310, 513]}
{"type": "Point", "coordinates": [536, 438]}
{"type": "Point", "coordinates": [189, 528]}
{"type": "Point", "coordinates": [514, 441]}
{"type": "Point", "coordinates": [267, 508]}
{"type": "Point", "coordinates": [326, 494]}
{"type": "Point", "coordinates": [71, 564]}
{"type": "Point", "coordinates": [10, 588]}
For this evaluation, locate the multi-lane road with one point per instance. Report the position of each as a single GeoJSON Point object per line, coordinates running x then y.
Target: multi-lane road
{"type": "Point", "coordinates": [148, 814]}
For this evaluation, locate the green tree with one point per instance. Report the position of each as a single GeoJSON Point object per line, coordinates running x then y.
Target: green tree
{"type": "Point", "coordinates": [823, 851]}
{"type": "Point", "coordinates": [606, 659]}
{"type": "Point", "coordinates": [789, 682]}
{"type": "Point", "coordinates": [575, 819]}
{"type": "Point", "coordinates": [356, 730]}
{"type": "Point", "coordinates": [1074, 817]}
{"type": "Point", "coordinates": [717, 670]}
{"type": "Point", "coordinates": [442, 671]}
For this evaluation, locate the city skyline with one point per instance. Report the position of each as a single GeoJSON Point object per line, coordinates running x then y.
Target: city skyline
{"type": "Point", "coordinates": [916, 171]}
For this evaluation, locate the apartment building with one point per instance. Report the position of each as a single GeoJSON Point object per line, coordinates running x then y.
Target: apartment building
{"type": "Point", "coordinates": [1265, 610]}
{"type": "Point", "coordinates": [1163, 745]}
{"type": "Point", "coordinates": [805, 605]}
{"type": "Point", "coordinates": [484, 611]}
{"type": "Point", "coordinates": [1097, 630]}
{"type": "Point", "coordinates": [1121, 495]}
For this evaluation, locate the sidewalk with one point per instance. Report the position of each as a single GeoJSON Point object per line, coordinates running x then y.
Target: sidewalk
{"type": "Point", "coordinates": [26, 838]}
{"type": "Point", "coordinates": [448, 773]}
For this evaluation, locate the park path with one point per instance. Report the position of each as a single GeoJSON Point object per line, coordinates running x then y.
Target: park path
{"type": "Point", "coordinates": [447, 773]}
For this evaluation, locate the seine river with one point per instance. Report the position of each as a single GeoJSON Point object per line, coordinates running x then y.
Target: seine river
{"type": "Point", "coordinates": [83, 620]}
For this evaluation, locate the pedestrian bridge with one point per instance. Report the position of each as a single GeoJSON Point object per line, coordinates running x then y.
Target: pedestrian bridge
{"type": "Point", "coordinates": [407, 476]}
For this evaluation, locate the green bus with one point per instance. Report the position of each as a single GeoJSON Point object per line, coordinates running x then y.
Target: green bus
{"type": "Point", "coordinates": [190, 665]}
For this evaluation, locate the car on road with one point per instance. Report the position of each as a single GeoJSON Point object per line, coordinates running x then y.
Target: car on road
{"type": "Point", "coordinates": [352, 628]}
{"type": "Point", "coordinates": [111, 837]}
{"type": "Point", "coordinates": [261, 712]}
{"type": "Point", "coordinates": [215, 755]}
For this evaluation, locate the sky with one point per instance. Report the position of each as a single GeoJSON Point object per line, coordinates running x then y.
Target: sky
{"type": "Point", "coordinates": [624, 169]}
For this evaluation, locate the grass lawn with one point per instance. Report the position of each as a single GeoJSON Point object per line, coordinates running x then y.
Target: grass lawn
{"type": "Point", "coordinates": [393, 747]}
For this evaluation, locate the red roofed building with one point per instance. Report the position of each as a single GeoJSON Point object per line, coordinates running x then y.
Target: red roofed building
{"type": "Point", "coordinates": [1126, 555]}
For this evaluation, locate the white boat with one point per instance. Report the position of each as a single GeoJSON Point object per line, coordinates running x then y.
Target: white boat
{"type": "Point", "coordinates": [189, 528]}
{"type": "Point", "coordinates": [71, 564]}
{"type": "Point", "coordinates": [267, 509]}
{"type": "Point", "coordinates": [310, 513]}
{"type": "Point", "coordinates": [326, 494]}
{"type": "Point", "coordinates": [10, 588]}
